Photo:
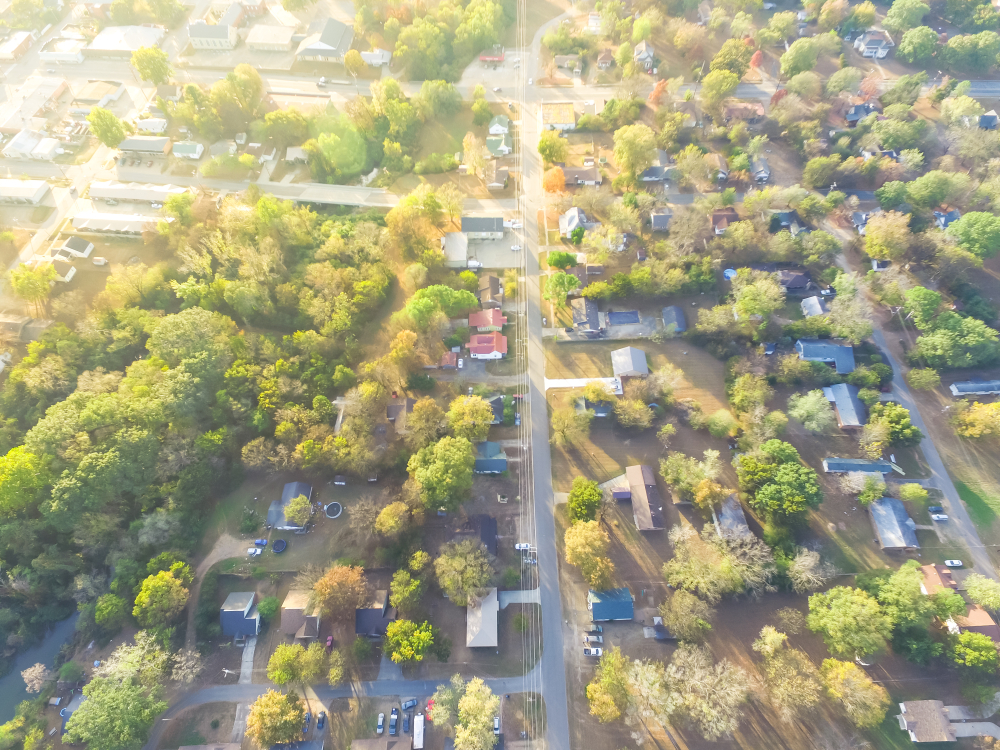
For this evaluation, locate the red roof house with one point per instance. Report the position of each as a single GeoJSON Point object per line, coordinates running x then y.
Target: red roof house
{"type": "Point", "coordinates": [488, 345]}
{"type": "Point", "coordinates": [487, 320]}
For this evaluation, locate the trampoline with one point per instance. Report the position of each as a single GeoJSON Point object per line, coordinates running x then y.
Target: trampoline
{"type": "Point", "coordinates": [729, 274]}
{"type": "Point", "coordinates": [623, 318]}
{"type": "Point", "coordinates": [279, 546]}
{"type": "Point", "coordinates": [333, 510]}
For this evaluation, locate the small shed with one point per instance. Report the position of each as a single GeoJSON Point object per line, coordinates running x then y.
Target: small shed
{"type": "Point", "coordinates": [629, 362]}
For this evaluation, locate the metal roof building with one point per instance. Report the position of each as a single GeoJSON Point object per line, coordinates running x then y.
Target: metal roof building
{"type": "Point", "coordinates": [975, 388]}
{"type": "Point", "coordinates": [481, 617]}
{"type": "Point", "coordinates": [731, 521]}
{"type": "Point", "coordinates": [613, 604]}
{"type": "Point", "coordinates": [630, 362]}
{"type": "Point", "coordinates": [893, 526]}
{"type": "Point", "coordinates": [647, 505]}
{"type": "Point", "coordinates": [815, 350]}
{"type": "Point", "coordinates": [850, 411]}
{"type": "Point", "coordinates": [844, 465]}
{"type": "Point", "coordinates": [673, 319]}
{"type": "Point", "coordinates": [95, 221]}
{"type": "Point", "coordinates": [134, 191]}
{"type": "Point", "coordinates": [32, 192]}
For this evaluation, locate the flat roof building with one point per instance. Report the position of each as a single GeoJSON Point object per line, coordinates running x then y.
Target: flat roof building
{"type": "Point", "coordinates": [96, 221]}
{"type": "Point", "coordinates": [122, 41]}
{"type": "Point", "coordinates": [31, 192]}
{"type": "Point", "coordinates": [134, 191]}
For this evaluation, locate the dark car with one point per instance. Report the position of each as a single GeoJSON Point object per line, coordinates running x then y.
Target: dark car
{"type": "Point", "coordinates": [305, 729]}
{"type": "Point", "coordinates": [321, 721]}
{"type": "Point", "coordinates": [412, 703]}
{"type": "Point", "coordinates": [935, 509]}
{"type": "Point", "coordinates": [394, 722]}
{"type": "Point", "coordinates": [406, 723]}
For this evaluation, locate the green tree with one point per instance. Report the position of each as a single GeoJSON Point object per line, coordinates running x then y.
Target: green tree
{"type": "Point", "coordinates": [586, 547]}
{"type": "Point", "coordinates": [558, 286]}
{"type": "Point", "coordinates": [275, 718]}
{"type": "Point", "coordinates": [978, 232]}
{"type": "Point", "coordinates": [405, 591]}
{"type": "Point", "coordinates": [975, 653]}
{"type": "Point", "coordinates": [393, 519]}
{"type": "Point", "coordinates": [561, 260]}
{"type": "Point", "coordinates": [635, 146]}
{"type": "Point", "coordinates": [912, 493]}
{"type": "Point", "coordinates": [847, 79]}
{"type": "Point", "coordinates": [476, 709]}
{"type": "Point", "coordinates": [887, 235]}
{"type": "Point", "coordinates": [470, 417]}
{"type": "Point", "coordinates": [116, 715]}
{"type": "Point", "coordinates": [109, 129]}
{"type": "Point", "coordinates": [813, 410]}
{"type": "Point", "coordinates": [552, 148]}
{"type": "Point", "coordinates": [585, 498]}
{"type": "Point", "coordinates": [851, 622]}
{"type": "Point", "coordinates": [424, 424]}
{"type": "Point", "coordinates": [268, 607]}
{"type": "Point", "coordinates": [153, 64]}
{"type": "Point", "coordinates": [686, 616]}
{"type": "Point", "coordinates": [717, 86]}
{"type": "Point", "coordinates": [443, 472]}
{"type": "Point", "coordinates": [983, 591]}
{"type": "Point", "coordinates": [22, 476]}
{"type": "Point", "coordinates": [800, 57]}
{"type": "Point", "coordinates": [897, 419]}
{"type": "Point", "coordinates": [917, 45]}
{"type": "Point", "coordinates": [819, 172]}
{"type": "Point", "coordinates": [607, 693]}
{"type": "Point", "coordinates": [734, 56]}
{"type": "Point", "coordinates": [298, 510]}
{"type": "Point", "coordinates": [287, 127]}
{"type": "Point", "coordinates": [407, 642]}
{"type": "Point", "coordinates": [793, 489]}
{"type": "Point", "coordinates": [33, 285]}
{"type": "Point", "coordinates": [463, 570]}
{"type": "Point", "coordinates": [161, 598]}
{"type": "Point", "coordinates": [354, 63]}
{"type": "Point", "coordinates": [111, 612]}
{"type": "Point", "coordinates": [924, 379]}
{"type": "Point", "coordinates": [864, 702]}
{"type": "Point", "coordinates": [569, 426]}
{"type": "Point", "coordinates": [904, 15]}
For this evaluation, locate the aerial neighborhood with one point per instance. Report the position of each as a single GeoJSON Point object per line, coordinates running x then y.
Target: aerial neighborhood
{"type": "Point", "coordinates": [469, 375]}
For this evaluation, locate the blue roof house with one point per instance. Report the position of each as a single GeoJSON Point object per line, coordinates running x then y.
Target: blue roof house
{"type": "Point", "coordinates": [815, 350]}
{"type": "Point", "coordinates": [613, 604]}
{"type": "Point", "coordinates": [239, 617]}
{"type": "Point", "coordinates": [490, 458]}
{"type": "Point", "coordinates": [847, 465]}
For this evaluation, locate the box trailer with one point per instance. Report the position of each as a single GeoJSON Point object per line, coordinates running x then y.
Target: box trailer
{"type": "Point", "coordinates": [418, 732]}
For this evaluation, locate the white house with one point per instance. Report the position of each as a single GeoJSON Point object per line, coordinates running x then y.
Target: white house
{"type": "Point", "coordinates": [874, 43]}
{"type": "Point", "coordinates": [377, 57]}
{"type": "Point", "coordinates": [500, 125]}
{"type": "Point", "coordinates": [643, 55]}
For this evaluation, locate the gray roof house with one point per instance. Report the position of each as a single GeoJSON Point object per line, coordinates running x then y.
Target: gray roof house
{"type": "Point", "coordinates": [850, 410]}
{"type": "Point", "coordinates": [629, 362]}
{"type": "Point", "coordinates": [659, 219]}
{"type": "Point", "coordinates": [944, 218]}
{"type": "Point", "coordinates": [586, 317]}
{"type": "Point", "coordinates": [815, 350]}
{"type": "Point", "coordinates": [238, 616]}
{"type": "Point", "coordinates": [813, 306]}
{"type": "Point", "coordinates": [490, 459]}
{"type": "Point", "coordinates": [328, 43]}
{"type": "Point", "coordinates": [371, 621]}
{"type": "Point", "coordinates": [613, 604]}
{"type": "Point", "coordinates": [731, 521]}
{"type": "Point", "coordinates": [975, 388]}
{"type": "Point", "coordinates": [483, 227]}
{"type": "Point", "coordinates": [571, 220]}
{"type": "Point", "coordinates": [647, 505]}
{"type": "Point", "coordinates": [845, 465]}
{"type": "Point", "coordinates": [496, 404]}
{"type": "Point", "coordinates": [276, 511]}
{"type": "Point", "coordinates": [895, 529]}
{"type": "Point", "coordinates": [759, 170]}
{"type": "Point", "coordinates": [673, 319]}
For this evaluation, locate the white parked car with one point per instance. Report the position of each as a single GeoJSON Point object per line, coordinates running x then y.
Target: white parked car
{"type": "Point", "coordinates": [522, 546]}
{"type": "Point", "coordinates": [156, 205]}
{"type": "Point", "coordinates": [99, 261]}
{"type": "Point", "coordinates": [516, 225]}
{"type": "Point", "coordinates": [496, 725]}
{"type": "Point", "coordinates": [939, 517]}
{"type": "Point", "coordinates": [254, 552]}
{"type": "Point", "coordinates": [531, 81]}
{"type": "Point", "coordinates": [953, 563]}
{"type": "Point", "coordinates": [587, 639]}
{"type": "Point", "coordinates": [461, 363]}
{"type": "Point", "coordinates": [515, 248]}
{"type": "Point", "coordinates": [381, 724]}
{"type": "Point", "coordinates": [593, 652]}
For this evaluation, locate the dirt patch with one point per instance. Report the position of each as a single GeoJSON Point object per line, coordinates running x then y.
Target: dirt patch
{"type": "Point", "coordinates": [202, 725]}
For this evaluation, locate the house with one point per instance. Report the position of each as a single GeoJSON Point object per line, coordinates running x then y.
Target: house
{"type": "Point", "coordinates": [722, 218]}
{"type": "Point", "coordinates": [895, 530]}
{"type": "Point", "coordinates": [988, 121]}
{"type": "Point", "coordinates": [794, 282]}
{"type": "Point", "coordinates": [850, 410]}
{"type": "Point", "coordinates": [557, 116]}
{"type": "Point", "coordinates": [294, 155]}
{"type": "Point", "coordinates": [500, 125]}
{"type": "Point", "coordinates": [261, 152]}
{"type": "Point", "coordinates": [449, 361]}
{"type": "Point", "coordinates": [486, 527]}
{"type": "Point", "coordinates": [583, 176]}
{"type": "Point", "coordinates": [481, 617]}
{"type": "Point", "coordinates": [188, 150]}
{"type": "Point", "coordinates": [64, 271]}
{"type": "Point", "coordinates": [572, 220]}
{"type": "Point", "coordinates": [483, 227]}
{"type": "Point", "coordinates": [298, 619]}
{"type": "Point", "coordinates": [718, 165]}
{"type": "Point", "coordinates": [271, 38]}
{"type": "Point", "coordinates": [605, 60]}
{"type": "Point", "coordinates": [943, 217]}
{"type": "Point", "coordinates": [815, 350]}
{"type": "Point", "coordinates": [936, 578]}
{"type": "Point", "coordinates": [601, 409]}
{"type": "Point", "coordinates": [613, 604]}
{"type": "Point", "coordinates": [593, 23]}
{"type": "Point", "coordinates": [659, 219]}
{"type": "Point", "coordinates": [569, 62]}
{"type": "Point", "coordinates": [813, 306]}
{"type": "Point", "coordinates": [152, 125]}
{"type": "Point", "coordinates": [759, 170]}
{"type": "Point", "coordinates": [169, 92]}
{"type": "Point", "coordinates": [859, 112]}
{"type": "Point", "coordinates": [704, 12]}
{"type": "Point", "coordinates": [747, 111]}
{"type": "Point", "coordinates": [789, 220]}
{"type": "Point", "coordinates": [660, 170]}
{"type": "Point", "coordinates": [487, 320]}
{"type": "Point", "coordinates": [490, 458]}
{"type": "Point", "coordinates": [370, 622]}
{"type": "Point", "coordinates": [238, 615]}
{"type": "Point", "coordinates": [397, 409]}
{"type": "Point", "coordinates": [874, 43]}
{"type": "Point", "coordinates": [978, 620]}
{"type": "Point", "coordinates": [731, 521]}
{"type": "Point", "coordinates": [926, 721]}
{"type": "Point", "coordinates": [219, 36]}
{"type": "Point", "coordinates": [23, 192]}
{"type": "Point", "coordinates": [455, 246]}
{"type": "Point", "coordinates": [326, 43]}
{"type": "Point", "coordinates": [496, 177]}
{"type": "Point", "coordinates": [78, 247]}
{"type": "Point", "coordinates": [276, 511]}
{"type": "Point", "coordinates": [860, 220]}
{"type": "Point", "coordinates": [224, 148]}
{"type": "Point", "coordinates": [153, 145]}
{"type": "Point", "coordinates": [594, 269]}
{"type": "Point", "coordinates": [629, 363]}
{"type": "Point", "coordinates": [849, 465]}
{"type": "Point", "coordinates": [496, 403]}
{"type": "Point", "coordinates": [647, 505]}
{"type": "Point", "coordinates": [490, 292]}
{"type": "Point", "coordinates": [15, 45]}
{"type": "Point", "coordinates": [975, 388]}
{"type": "Point", "coordinates": [586, 318]}
{"type": "Point", "coordinates": [881, 265]}
{"type": "Point", "coordinates": [643, 55]}
{"type": "Point", "coordinates": [487, 346]}
{"type": "Point", "coordinates": [499, 145]}
{"type": "Point", "coordinates": [673, 319]}
{"type": "Point", "coordinates": [377, 58]}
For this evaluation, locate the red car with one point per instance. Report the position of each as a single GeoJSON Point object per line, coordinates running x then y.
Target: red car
{"type": "Point", "coordinates": [329, 643]}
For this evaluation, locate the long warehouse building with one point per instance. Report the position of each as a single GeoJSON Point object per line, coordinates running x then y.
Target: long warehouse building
{"type": "Point", "coordinates": [95, 221]}
{"type": "Point", "coordinates": [133, 191]}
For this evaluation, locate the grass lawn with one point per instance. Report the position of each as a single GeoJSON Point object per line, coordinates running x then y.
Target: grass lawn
{"type": "Point", "coordinates": [208, 723]}
{"type": "Point", "coordinates": [443, 135]}
{"type": "Point", "coordinates": [983, 507]}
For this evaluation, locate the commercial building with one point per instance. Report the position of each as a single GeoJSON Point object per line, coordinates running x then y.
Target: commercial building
{"type": "Point", "coordinates": [218, 36]}
{"type": "Point", "coordinates": [153, 145]}
{"type": "Point", "coordinates": [133, 191]}
{"type": "Point", "coordinates": [557, 116]}
{"type": "Point", "coordinates": [97, 94]}
{"type": "Point", "coordinates": [96, 221]}
{"type": "Point", "coordinates": [455, 246]}
{"type": "Point", "coordinates": [15, 45]}
{"type": "Point", "coordinates": [27, 106]}
{"type": "Point", "coordinates": [483, 227]}
{"type": "Point", "coordinates": [328, 43]}
{"type": "Point", "coordinates": [62, 50]}
{"type": "Point", "coordinates": [22, 145]}
{"type": "Point", "coordinates": [29, 192]}
{"type": "Point", "coordinates": [122, 41]}
{"type": "Point", "coordinates": [264, 38]}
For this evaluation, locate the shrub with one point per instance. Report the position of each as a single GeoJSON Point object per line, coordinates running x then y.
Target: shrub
{"type": "Point", "coordinates": [913, 493]}
{"type": "Point", "coordinates": [70, 671]}
{"type": "Point", "coordinates": [361, 649]}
